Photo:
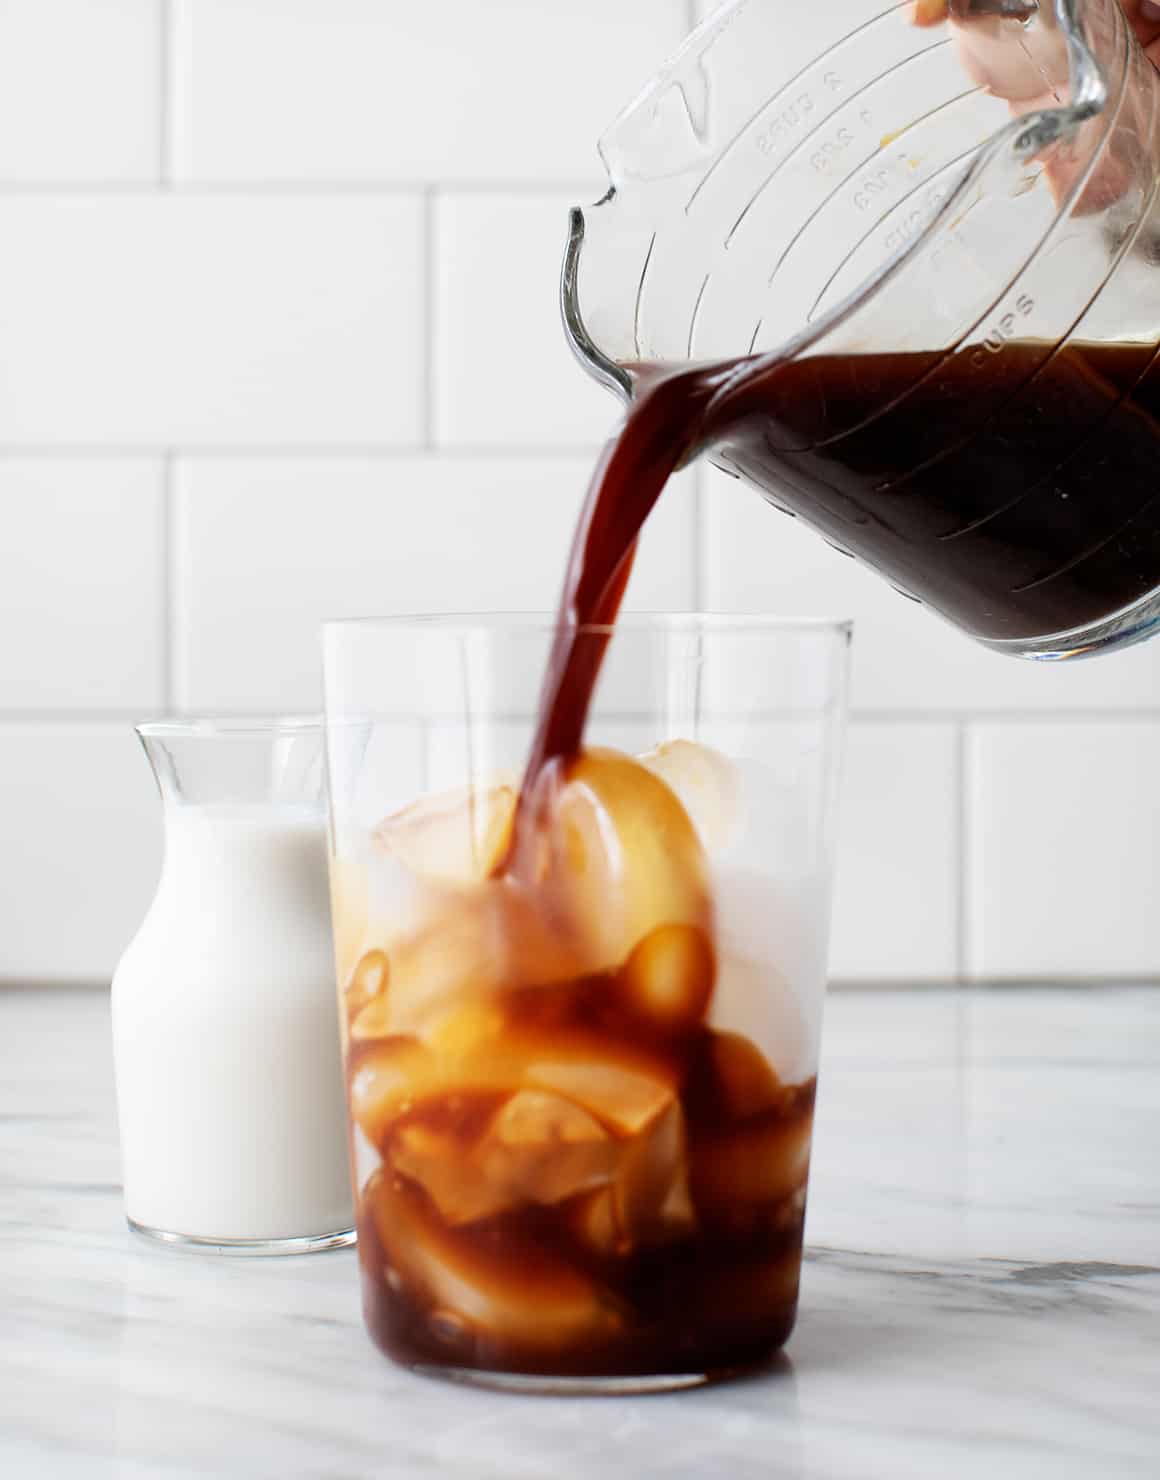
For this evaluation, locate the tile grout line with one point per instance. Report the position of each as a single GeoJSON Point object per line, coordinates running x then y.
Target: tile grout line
{"type": "Point", "coordinates": [700, 544]}
{"type": "Point", "coordinates": [18, 719]}
{"type": "Point", "coordinates": [430, 247]}
{"type": "Point", "coordinates": [279, 189]}
{"type": "Point", "coordinates": [1147, 714]}
{"type": "Point", "coordinates": [964, 842]}
{"type": "Point", "coordinates": [167, 594]}
{"type": "Point", "coordinates": [172, 583]}
{"type": "Point", "coordinates": [165, 100]}
{"type": "Point", "coordinates": [278, 450]}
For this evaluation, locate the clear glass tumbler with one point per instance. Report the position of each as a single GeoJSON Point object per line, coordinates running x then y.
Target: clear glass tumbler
{"type": "Point", "coordinates": [581, 1064]}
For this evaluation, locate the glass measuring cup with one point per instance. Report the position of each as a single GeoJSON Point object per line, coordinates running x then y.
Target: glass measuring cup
{"type": "Point", "coordinates": [930, 233]}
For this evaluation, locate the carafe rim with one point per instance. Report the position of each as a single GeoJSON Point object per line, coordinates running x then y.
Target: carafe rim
{"type": "Point", "coordinates": [226, 726]}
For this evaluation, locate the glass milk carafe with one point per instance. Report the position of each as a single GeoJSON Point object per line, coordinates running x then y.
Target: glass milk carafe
{"type": "Point", "coordinates": [225, 1031]}
{"type": "Point", "coordinates": [932, 231]}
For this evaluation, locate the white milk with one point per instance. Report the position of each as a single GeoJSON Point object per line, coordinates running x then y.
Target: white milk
{"type": "Point", "coordinates": [225, 1034]}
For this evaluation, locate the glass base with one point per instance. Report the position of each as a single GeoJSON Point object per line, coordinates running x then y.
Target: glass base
{"type": "Point", "coordinates": [634, 1386]}
{"type": "Point", "coordinates": [259, 1248]}
{"type": "Point", "coordinates": [1125, 628]}
{"type": "Point", "coordinates": [569, 1387]}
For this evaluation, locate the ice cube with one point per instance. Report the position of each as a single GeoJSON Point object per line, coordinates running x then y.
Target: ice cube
{"type": "Point", "coordinates": [457, 837]}
{"type": "Point", "coordinates": [456, 953]}
{"type": "Point", "coordinates": [386, 1077]}
{"type": "Point", "coordinates": [516, 1293]}
{"type": "Point", "coordinates": [648, 1201]}
{"type": "Point", "coordinates": [473, 941]}
{"type": "Point", "coordinates": [753, 997]}
{"type": "Point", "coordinates": [734, 1079]}
{"type": "Point", "coordinates": [365, 994]}
{"type": "Point", "coordinates": [707, 785]}
{"type": "Point", "coordinates": [620, 857]}
{"type": "Point", "coordinates": [544, 1149]}
{"type": "Point", "coordinates": [774, 913]}
{"type": "Point", "coordinates": [621, 1090]}
{"type": "Point", "coordinates": [477, 1048]}
{"type": "Point", "coordinates": [620, 1084]}
{"type": "Point", "coordinates": [468, 1031]}
{"type": "Point", "coordinates": [475, 1160]}
{"type": "Point", "coordinates": [651, 1193]}
{"type": "Point", "coordinates": [739, 1176]}
{"type": "Point", "coordinates": [442, 1160]}
{"type": "Point", "coordinates": [397, 1075]}
{"type": "Point", "coordinates": [593, 1222]}
{"type": "Point", "coordinates": [667, 981]}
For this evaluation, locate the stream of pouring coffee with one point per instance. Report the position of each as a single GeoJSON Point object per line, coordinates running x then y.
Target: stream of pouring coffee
{"type": "Point", "coordinates": [661, 430]}
{"type": "Point", "coordinates": [666, 420]}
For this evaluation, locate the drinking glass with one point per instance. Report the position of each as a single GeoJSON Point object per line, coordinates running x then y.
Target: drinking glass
{"type": "Point", "coordinates": [581, 1027]}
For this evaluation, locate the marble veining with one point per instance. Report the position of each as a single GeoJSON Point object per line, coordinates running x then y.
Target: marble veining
{"type": "Point", "coordinates": [982, 1294]}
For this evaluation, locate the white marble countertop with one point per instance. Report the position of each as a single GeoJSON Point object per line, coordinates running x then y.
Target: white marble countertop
{"type": "Point", "coordinates": [982, 1293]}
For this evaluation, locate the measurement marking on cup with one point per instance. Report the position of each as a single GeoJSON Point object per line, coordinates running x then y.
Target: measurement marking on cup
{"type": "Point", "coordinates": [820, 164]}
{"type": "Point", "coordinates": [791, 117]}
{"type": "Point", "coordinates": [916, 220]}
{"type": "Point", "coordinates": [835, 113]}
{"type": "Point", "coordinates": [934, 196]}
{"type": "Point", "coordinates": [1003, 330]}
{"type": "Point", "coordinates": [832, 80]}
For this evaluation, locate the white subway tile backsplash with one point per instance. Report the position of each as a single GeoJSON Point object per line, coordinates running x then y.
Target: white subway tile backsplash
{"type": "Point", "coordinates": [356, 90]}
{"type": "Point", "coordinates": [200, 320]}
{"type": "Point", "coordinates": [896, 905]}
{"type": "Point", "coordinates": [269, 548]}
{"type": "Point", "coordinates": [82, 833]}
{"type": "Point", "coordinates": [81, 571]}
{"type": "Point", "coordinates": [905, 658]}
{"type": "Point", "coordinates": [279, 341]}
{"type": "Point", "coordinates": [503, 373]}
{"type": "Point", "coordinates": [1064, 850]}
{"type": "Point", "coordinates": [80, 91]}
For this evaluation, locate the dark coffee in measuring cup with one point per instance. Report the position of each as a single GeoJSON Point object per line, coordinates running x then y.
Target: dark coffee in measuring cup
{"type": "Point", "coordinates": [1016, 491]}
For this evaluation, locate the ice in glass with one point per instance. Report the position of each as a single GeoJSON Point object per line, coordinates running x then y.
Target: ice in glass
{"type": "Point", "coordinates": [581, 1099]}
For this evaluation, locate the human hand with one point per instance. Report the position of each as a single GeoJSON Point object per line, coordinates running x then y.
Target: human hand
{"type": "Point", "coordinates": [1143, 16]}
{"type": "Point", "coordinates": [1033, 76]}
